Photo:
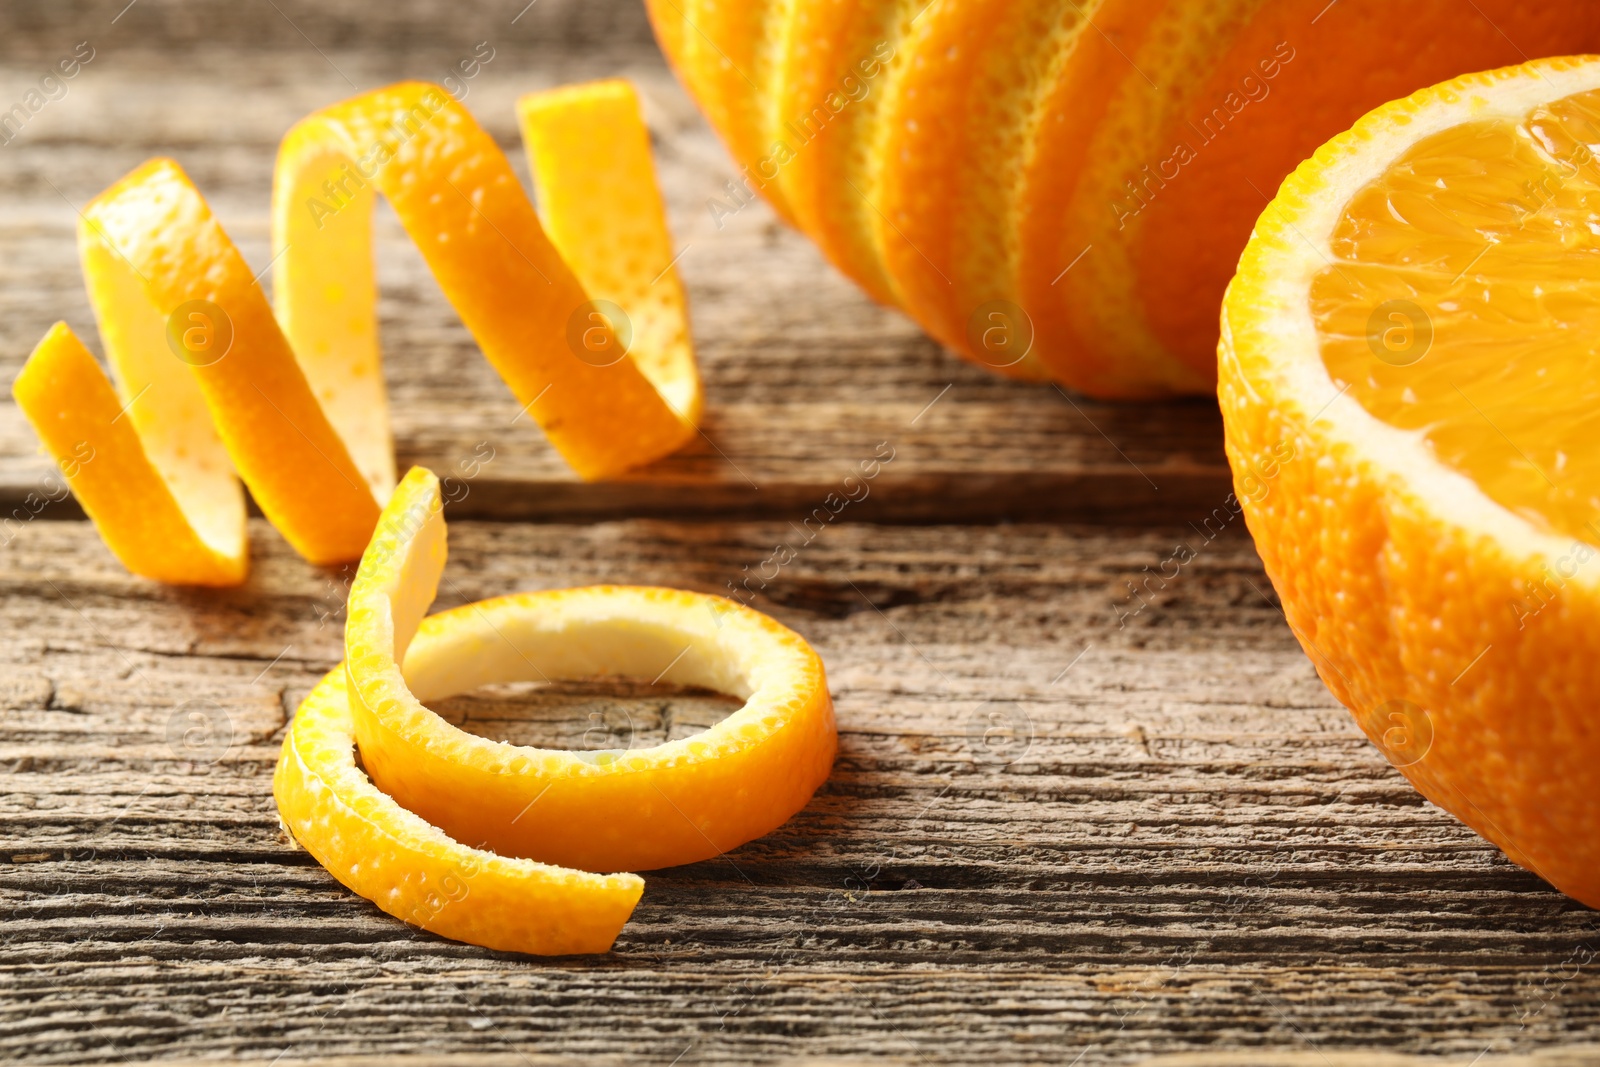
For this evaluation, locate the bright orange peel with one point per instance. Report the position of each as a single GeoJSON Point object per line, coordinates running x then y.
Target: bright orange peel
{"type": "Point", "coordinates": [209, 382]}
{"type": "Point", "coordinates": [183, 524]}
{"type": "Point", "coordinates": [461, 204]}
{"type": "Point", "coordinates": [679, 802]}
{"type": "Point", "coordinates": [415, 871]}
{"type": "Point", "coordinates": [601, 207]}
{"type": "Point", "coordinates": [209, 386]}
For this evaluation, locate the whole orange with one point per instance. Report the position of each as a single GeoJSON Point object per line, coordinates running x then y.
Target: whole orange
{"type": "Point", "coordinates": [1061, 188]}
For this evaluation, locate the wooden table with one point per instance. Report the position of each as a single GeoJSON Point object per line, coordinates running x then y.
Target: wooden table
{"type": "Point", "coordinates": [1058, 831]}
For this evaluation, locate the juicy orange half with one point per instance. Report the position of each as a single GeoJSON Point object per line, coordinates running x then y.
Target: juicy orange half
{"type": "Point", "coordinates": [1409, 384]}
{"type": "Point", "coordinates": [679, 802]}
{"type": "Point", "coordinates": [587, 325]}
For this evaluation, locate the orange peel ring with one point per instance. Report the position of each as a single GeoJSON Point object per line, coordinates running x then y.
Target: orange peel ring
{"type": "Point", "coordinates": [296, 403]}
{"type": "Point", "coordinates": [396, 838]}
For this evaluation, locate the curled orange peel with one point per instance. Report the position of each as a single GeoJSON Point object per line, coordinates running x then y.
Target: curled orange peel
{"type": "Point", "coordinates": [543, 821]}
{"type": "Point", "coordinates": [168, 510]}
{"type": "Point", "coordinates": [418, 873]}
{"type": "Point", "coordinates": [674, 803]}
{"type": "Point", "coordinates": [587, 324]}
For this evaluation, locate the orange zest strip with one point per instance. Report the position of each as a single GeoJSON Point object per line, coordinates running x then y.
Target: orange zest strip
{"type": "Point", "coordinates": [674, 803]}
{"type": "Point", "coordinates": [589, 152]}
{"type": "Point", "coordinates": [181, 521]}
{"type": "Point", "coordinates": [416, 872]}
{"type": "Point", "coordinates": [566, 357]}
{"type": "Point", "coordinates": [168, 287]}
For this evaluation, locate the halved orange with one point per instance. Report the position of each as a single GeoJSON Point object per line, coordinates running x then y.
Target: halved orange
{"type": "Point", "coordinates": [679, 802]}
{"type": "Point", "coordinates": [1409, 386]}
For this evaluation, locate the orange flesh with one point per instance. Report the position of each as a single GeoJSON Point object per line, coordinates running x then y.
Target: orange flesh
{"type": "Point", "coordinates": [1492, 230]}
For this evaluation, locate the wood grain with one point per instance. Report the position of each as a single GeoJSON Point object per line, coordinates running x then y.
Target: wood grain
{"type": "Point", "coordinates": [1045, 832]}
{"type": "Point", "coordinates": [1063, 828]}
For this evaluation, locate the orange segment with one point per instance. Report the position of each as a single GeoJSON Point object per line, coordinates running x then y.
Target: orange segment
{"type": "Point", "coordinates": [166, 504]}
{"type": "Point", "coordinates": [418, 873]}
{"type": "Point", "coordinates": [589, 153]}
{"type": "Point", "coordinates": [1407, 385]}
{"type": "Point", "coordinates": [676, 803]}
{"type": "Point", "coordinates": [169, 289]}
{"type": "Point", "coordinates": [459, 200]}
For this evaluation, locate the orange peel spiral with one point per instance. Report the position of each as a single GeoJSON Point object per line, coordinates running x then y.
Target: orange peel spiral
{"type": "Point", "coordinates": [418, 873]}
{"type": "Point", "coordinates": [541, 819]}
{"type": "Point", "coordinates": [210, 382]}
{"type": "Point", "coordinates": [674, 803]}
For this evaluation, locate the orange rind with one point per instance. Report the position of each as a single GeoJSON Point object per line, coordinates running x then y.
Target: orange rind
{"type": "Point", "coordinates": [184, 524]}
{"type": "Point", "coordinates": [461, 204]}
{"type": "Point", "coordinates": [413, 870]}
{"type": "Point", "coordinates": [589, 330]}
{"type": "Point", "coordinates": [675, 803]}
{"type": "Point", "coordinates": [157, 264]}
{"type": "Point", "coordinates": [589, 153]}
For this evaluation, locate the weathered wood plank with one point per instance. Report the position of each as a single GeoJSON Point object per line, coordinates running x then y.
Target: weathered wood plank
{"type": "Point", "coordinates": [1061, 825]}
{"type": "Point", "coordinates": [1180, 842]}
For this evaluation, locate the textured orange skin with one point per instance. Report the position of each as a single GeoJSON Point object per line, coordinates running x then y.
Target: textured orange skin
{"type": "Point", "coordinates": [925, 132]}
{"type": "Point", "coordinates": [1049, 238]}
{"type": "Point", "coordinates": [276, 434]}
{"type": "Point", "coordinates": [1392, 600]}
{"type": "Point", "coordinates": [830, 41]}
{"type": "Point", "coordinates": [589, 153]}
{"type": "Point", "coordinates": [725, 40]}
{"type": "Point", "coordinates": [412, 870]}
{"type": "Point", "coordinates": [1158, 335]}
{"type": "Point", "coordinates": [307, 431]}
{"type": "Point", "coordinates": [460, 202]}
{"type": "Point", "coordinates": [66, 397]}
{"type": "Point", "coordinates": [642, 809]}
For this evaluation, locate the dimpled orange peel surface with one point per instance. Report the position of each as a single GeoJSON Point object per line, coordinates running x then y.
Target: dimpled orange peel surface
{"type": "Point", "coordinates": [209, 382]}
{"type": "Point", "coordinates": [1071, 181]}
{"type": "Point", "coordinates": [415, 871]}
{"type": "Point", "coordinates": [1408, 388]}
{"type": "Point", "coordinates": [675, 803]}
